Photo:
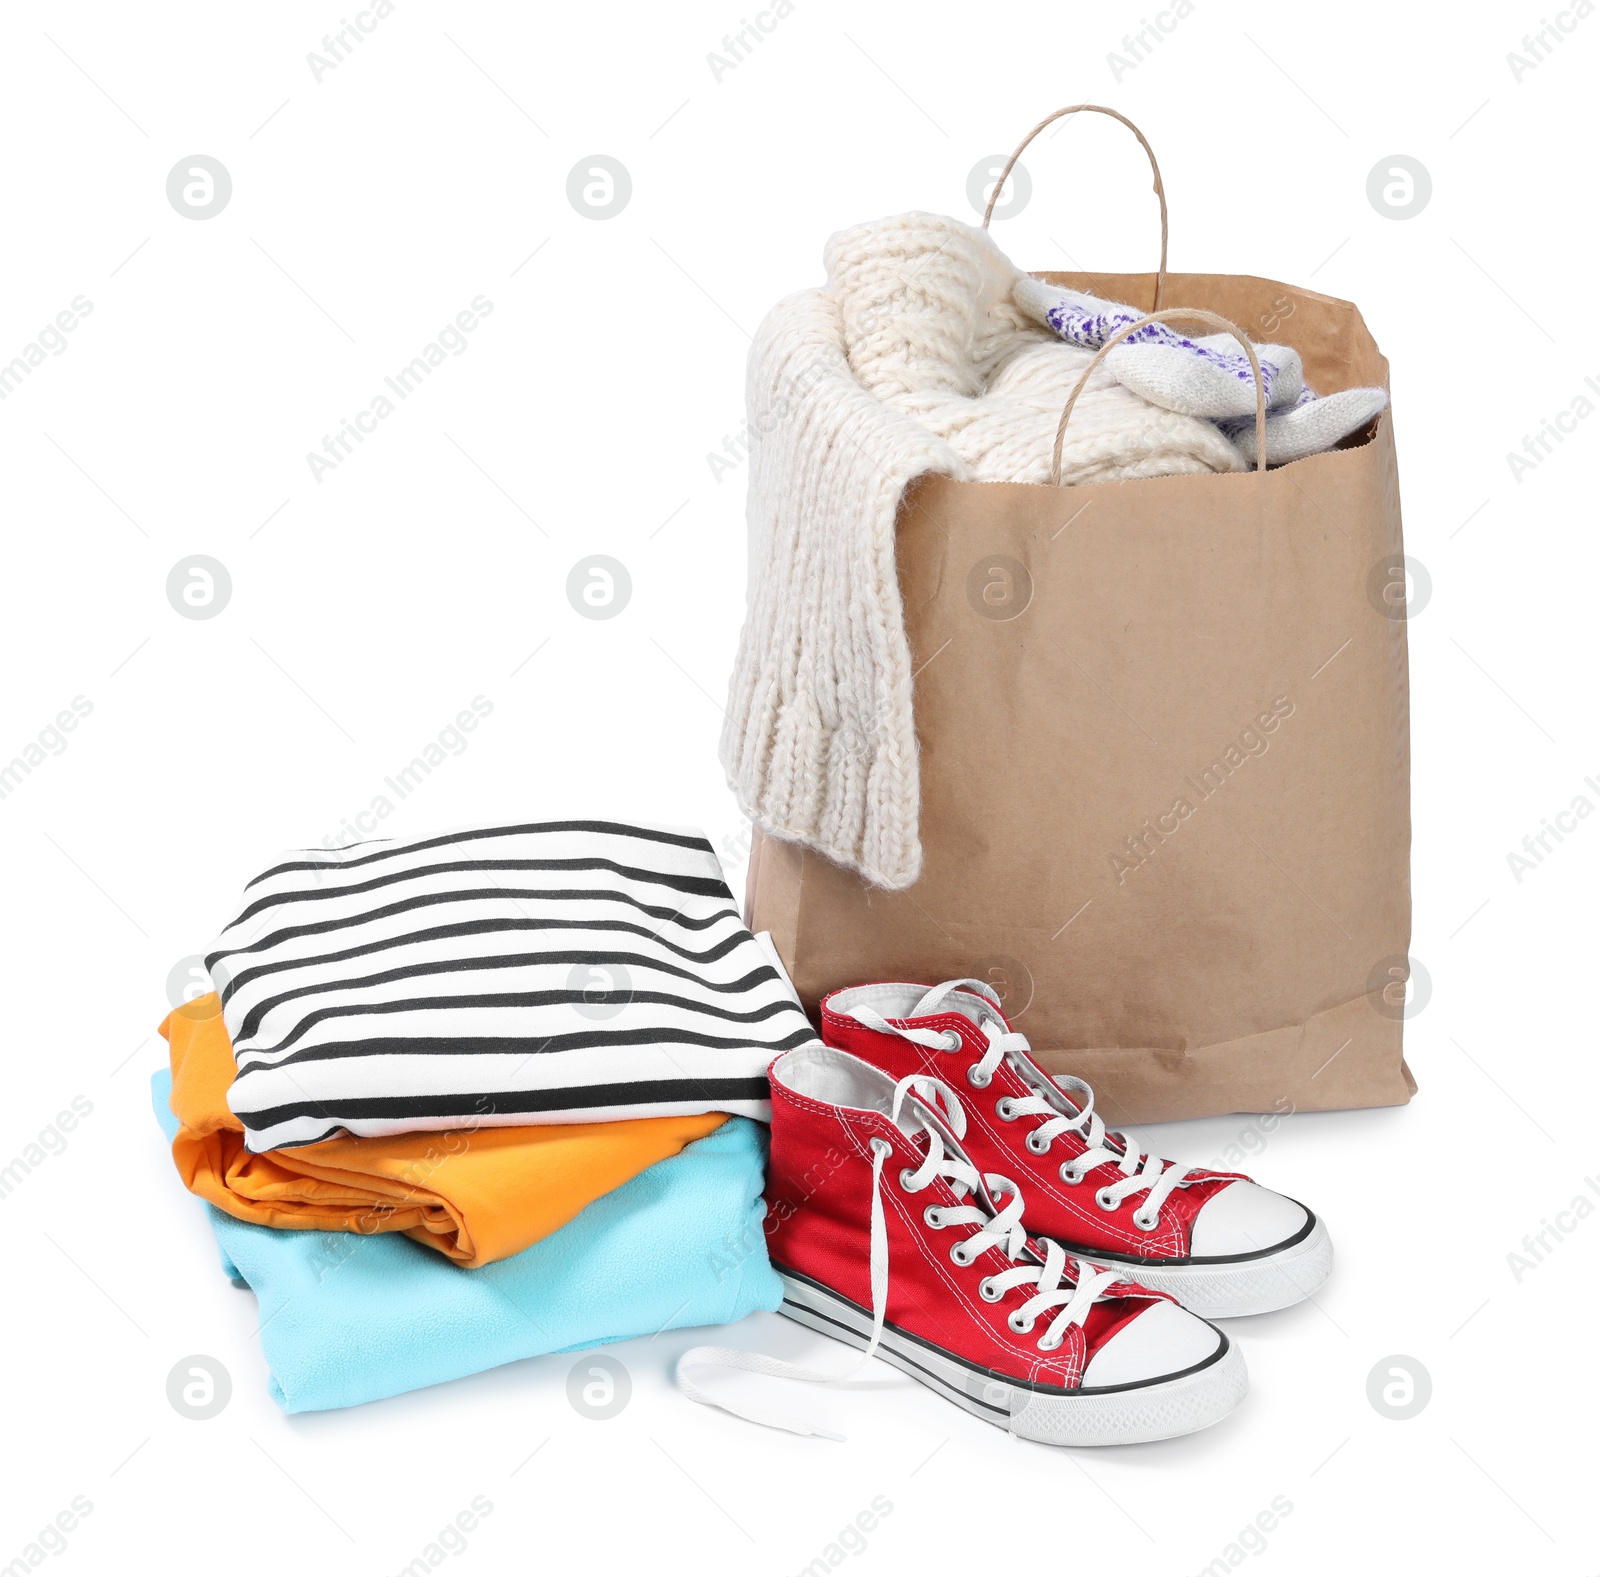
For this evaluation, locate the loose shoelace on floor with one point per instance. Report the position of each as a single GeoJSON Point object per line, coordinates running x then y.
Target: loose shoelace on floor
{"type": "Point", "coordinates": [1140, 1172]}
{"type": "Point", "coordinates": [1068, 1305]}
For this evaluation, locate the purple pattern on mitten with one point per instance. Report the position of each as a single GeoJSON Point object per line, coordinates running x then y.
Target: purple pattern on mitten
{"type": "Point", "coordinates": [1079, 325]}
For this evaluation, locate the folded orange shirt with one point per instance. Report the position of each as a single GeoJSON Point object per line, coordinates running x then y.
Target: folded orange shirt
{"type": "Point", "coordinates": [475, 1194]}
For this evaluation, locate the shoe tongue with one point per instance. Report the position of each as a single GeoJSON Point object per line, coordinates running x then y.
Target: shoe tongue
{"type": "Point", "coordinates": [948, 999]}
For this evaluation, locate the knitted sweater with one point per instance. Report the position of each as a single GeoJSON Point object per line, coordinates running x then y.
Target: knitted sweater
{"type": "Point", "coordinates": [914, 358]}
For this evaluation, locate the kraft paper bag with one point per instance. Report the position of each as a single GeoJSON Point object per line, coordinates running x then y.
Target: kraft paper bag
{"type": "Point", "coordinates": [1165, 763]}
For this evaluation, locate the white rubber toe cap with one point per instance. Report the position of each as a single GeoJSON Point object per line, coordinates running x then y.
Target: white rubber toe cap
{"type": "Point", "coordinates": [1244, 1218]}
{"type": "Point", "coordinates": [1163, 1340]}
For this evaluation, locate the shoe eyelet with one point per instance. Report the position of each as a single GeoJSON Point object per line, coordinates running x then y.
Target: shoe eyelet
{"type": "Point", "coordinates": [960, 1254]}
{"type": "Point", "coordinates": [1036, 1145]}
{"type": "Point", "coordinates": [1104, 1200]}
{"type": "Point", "coordinates": [1069, 1176]}
{"type": "Point", "coordinates": [952, 1040]}
{"type": "Point", "coordinates": [1145, 1223]}
{"type": "Point", "coordinates": [1044, 1344]}
{"type": "Point", "coordinates": [1018, 1324]}
{"type": "Point", "coordinates": [988, 1291]}
{"type": "Point", "coordinates": [934, 1217]}
{"type": "Point", "coordinates": [977, 1081]}
{"type": "Point", "coordinates": [906, 1179]}
{"type": "Point", "coordinates": [1005, 1110]}
{"type": "Point", "coordinates": [879, 1146]}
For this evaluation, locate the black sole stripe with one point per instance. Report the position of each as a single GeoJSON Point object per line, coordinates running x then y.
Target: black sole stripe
{"type": "Point", "coordinates": [527, 999]}
{"type": "Point", "coordinates": [643, 1039]}
{"type": "Point", "coordinates": [894, 1356]}
{"type": "Point", "coordinates": [448, 966]}
{"type": "Point", "coordinates": [1012, 1380]}
{"type": "Point", "coordinates": [713, 1093]}
{"type": "Point", "coordinates": [699, 886]}
{"type": "Point", "coordinates": [431, 900]}
{"type": "Point", "coordinates": [532, 828]}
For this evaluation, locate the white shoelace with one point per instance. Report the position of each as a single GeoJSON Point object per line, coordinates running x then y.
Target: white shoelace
{"type": "Point", "coordinates": [1147, 1174]}
{"type": "Point", "coordinates": [1000, 1229]}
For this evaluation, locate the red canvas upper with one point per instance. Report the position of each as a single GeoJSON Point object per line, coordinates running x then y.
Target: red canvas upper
{"type": "Point", "coordinates": [1056, 1209]}
{"type": "Point", "coordinates": [819, 1196]}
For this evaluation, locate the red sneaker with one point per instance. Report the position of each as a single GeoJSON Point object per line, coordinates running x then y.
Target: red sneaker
{"type": "Point", "coordinates": [1218, 1242]}
{"type": "Point", "coordinates": [887, 1238]}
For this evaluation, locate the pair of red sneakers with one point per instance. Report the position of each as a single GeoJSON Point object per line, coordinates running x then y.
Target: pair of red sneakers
{"type": "Point", "coordinates": [938, 1200]}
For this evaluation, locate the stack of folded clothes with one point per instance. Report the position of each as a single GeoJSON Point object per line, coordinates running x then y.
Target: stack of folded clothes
{"type": "Point", "coordinates": [476, 1097]}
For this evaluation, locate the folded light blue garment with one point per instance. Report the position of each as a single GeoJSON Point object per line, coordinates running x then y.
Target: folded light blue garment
{"type": "Point", "coordinates": [348, 1318]}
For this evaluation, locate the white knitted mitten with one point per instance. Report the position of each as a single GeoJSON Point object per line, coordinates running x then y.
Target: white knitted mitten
{"type": "Point", "coordinates": [1204, 376]}
{"type": "Point", "coordinates": [1207, 375]}
{"type": "Point", "coordinates": [1308, 427]}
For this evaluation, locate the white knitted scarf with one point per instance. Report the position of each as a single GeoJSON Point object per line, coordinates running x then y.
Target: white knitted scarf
{"type": "Point", "coordinates": [914, 358]}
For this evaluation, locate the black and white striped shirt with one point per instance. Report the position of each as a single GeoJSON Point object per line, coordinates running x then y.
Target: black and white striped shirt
{"type": "Point", "coordinates": [557, 972]}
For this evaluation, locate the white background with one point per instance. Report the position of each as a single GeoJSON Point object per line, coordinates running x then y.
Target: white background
{"type": "Point", "coordinates": [369, 607]}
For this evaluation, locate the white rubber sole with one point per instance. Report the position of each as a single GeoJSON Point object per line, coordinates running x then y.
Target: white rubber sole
{"type": "Point", "coordinates": [1225, 1289]}
{"type": "Point", "coordinates": [1107, 1416]}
